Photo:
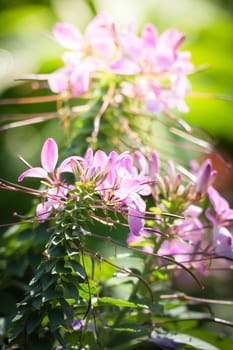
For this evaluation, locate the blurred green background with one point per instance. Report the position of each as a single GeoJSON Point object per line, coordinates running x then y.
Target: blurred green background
{"type": "Point", "coordinates": [26, 46]}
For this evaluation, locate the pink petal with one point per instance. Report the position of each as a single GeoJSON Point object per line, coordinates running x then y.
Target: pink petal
{"type": "Point", "coordinates": [141, 162]}
{"type": "Point", "coordinates": [154, 165]}
{"type": "Point", "coordinates": [101, 35]}
{"type": "Point", "coordinates": [219, 203]}
{"type": "Point", "coordinates": [89, 157]}
{"type": "Point", "coordinates": [33, 172]}
{"type": "Point", "coordinates": [125, 66]}
{"type": "Point", "coordinates": [68, 36]}
{"type": "Point", "coordinates": [171, 38]}
{"type": "Point", "coordinates": [72, 59]}
{"type": "Point", "coordinates": [43, 211]}
{"type": "Point", "coordinates": [153, 105]}
{"type": "Point", "coordinates": [149, 36]}
{"type": "Point", "coordinates": [100, 159]}
{"type": "Point", "coordinates": [58, 81]}
{"type": "Point", "coordinates": [131, 43]}
{"type": "Point", "coordinates": [49, 155]}
{"type": "Point", "coordinates": [80, 82]}
{"type": "Point", "coordinates": [66, 167]}
{"type": "Point", "coordinates": [135, 221]}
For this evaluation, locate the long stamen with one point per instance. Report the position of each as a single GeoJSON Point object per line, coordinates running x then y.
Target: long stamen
{"type": "Point", "coordinates": [24, 161]}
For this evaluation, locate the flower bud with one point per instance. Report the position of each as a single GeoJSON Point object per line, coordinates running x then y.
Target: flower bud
{"type": "Point", "coordinates": [205, 178]}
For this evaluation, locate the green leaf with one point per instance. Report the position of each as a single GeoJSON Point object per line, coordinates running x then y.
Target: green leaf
{"type": "Point", "coordinates": [38, 342]}
{"type": "Point", "coordinates": [32, 322]}
{"type": "Point", "coordinates": [37, 302]}
{"type": "Point", "coordinates": [48, 280]}
{"type": "Point", "coordinates": [85, 289]}
{"type": "Point", "coordinates": [37, 276]}
{"type": "Point", "coordinates": [68, 311]}
{"type": "Point", "coordinates": [119, 303]}
{"type": "Point", "coordinates": [56, 318]}
{"type": "Point", "coordinates": [51, 294]}
{"type": "Point", "coordinates": [78, 269]}
{"type": "Point", "coordinates": [219, 339]}
{"type": "Point", "coordinates": [71, 291]}
{"type": "Point", "coordinates": [57, 252]}
{"type": "Point", "coordinates": [61, 268]}
{"type": "Point", "coordinates": [17, 329]}
{"type": "Point", "coordinates": [185, 339]}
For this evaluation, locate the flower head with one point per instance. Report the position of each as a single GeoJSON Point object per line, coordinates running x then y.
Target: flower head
{"type": "Point", "coordinates": [57, 190]}
{"type": "Point", "coordinates": [221, 217]}
{"type": "Point", "coordinates": [157, 68]}
{"type": "Point", "coordinates": [49, 158]}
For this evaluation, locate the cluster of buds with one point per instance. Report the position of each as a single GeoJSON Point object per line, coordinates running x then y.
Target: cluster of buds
{"type": "Point", "coordinates": [185, 232]}
{"type": "Point", "coordinates": [148, 68]}
{"type": "Point", "coordinates": [176, 223]}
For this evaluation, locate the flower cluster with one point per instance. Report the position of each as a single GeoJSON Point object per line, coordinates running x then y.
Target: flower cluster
{"type": "Point", "coordinates": [114, 178]}
{"type": "Point", "coordinates": [185, 232]}
{"type": "Point", "coordinates": [149, 68]}
{"type": "Point", "coordinates": [176, 223]}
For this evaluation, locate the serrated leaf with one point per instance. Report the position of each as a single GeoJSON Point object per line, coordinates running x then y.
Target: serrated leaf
{"type": "Point", "coordinates": [120, 303]}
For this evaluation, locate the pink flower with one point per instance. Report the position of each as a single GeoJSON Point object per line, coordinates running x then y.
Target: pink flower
{"type": "Point", "coordinates": [222, 220]}
{"type": "Point", "coordinates": [68, 36]}
{"type": "Point", "coordinates": [157, 68]}
{"type": "Point", "coordinates": [223, 212]}
{"type": "Point", "coordinates": [118, 183]}
{"type": "Point", "coordinates": [157, 59]}
{"type": "Point", "coordinates": [57, 188]}
{"type": "Point", "coordinates": [90, 53]}
{"type": "Point", "coordinates": [187, 243]}
{"type": "Point", "coordinates": [49, 158]}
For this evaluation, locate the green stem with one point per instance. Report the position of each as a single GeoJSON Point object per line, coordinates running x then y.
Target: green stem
{"type": "Point", "coordinates": [133, 294]}
{"type": "Point", "coordinates": [149, 261]}
{"type": "Point", "coordinates": [92, 7]}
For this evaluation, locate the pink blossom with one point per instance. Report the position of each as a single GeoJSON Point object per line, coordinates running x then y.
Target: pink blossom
{"type": "Point", "coordinates": [117, 181]}
{"type": "Point", "coordinates": [222, 220]}
{"type": "Point", "coordinates": [68, 36]}
{"type": "Point", "coordinates": [57, 190]}
{"type": "Point", "coordinates": [90, 53]}
{"type": "Point", "coordinates": [223, 212]}
{"type": "Point", "coordinates": [49, 158]}
{"type": "Point", "coordinates": [157, 68]}
{"type": "Point", "coordinates": [187, 243]}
